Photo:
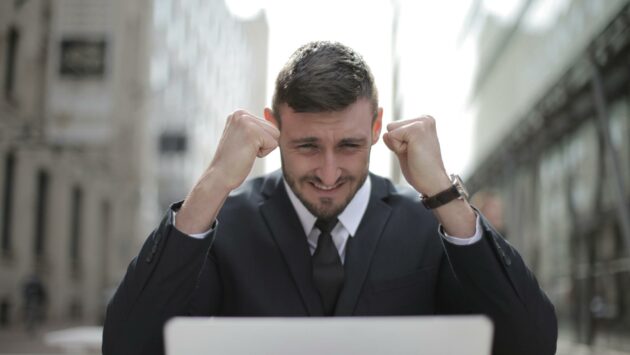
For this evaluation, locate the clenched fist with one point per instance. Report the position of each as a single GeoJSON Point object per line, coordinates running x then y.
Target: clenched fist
{"type": "Point", "coordinates": [416, 145]}
{"type": "Point", "coordinates": [244, 138]}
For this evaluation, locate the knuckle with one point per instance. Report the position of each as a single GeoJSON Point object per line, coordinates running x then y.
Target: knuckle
{"type": "Point", "coordinates": [418, 125]}
{"type": "Point", "coordinates": [238, 115]}
{"type": "Point", "coordinates": [239, 112]}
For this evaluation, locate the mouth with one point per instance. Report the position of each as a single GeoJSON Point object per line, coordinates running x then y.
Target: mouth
{"type": "Point", "coordinates": [326, 188]}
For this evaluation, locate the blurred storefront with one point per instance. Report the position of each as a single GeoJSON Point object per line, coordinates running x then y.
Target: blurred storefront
{"type": "Point", "coordinates": [552, 101]}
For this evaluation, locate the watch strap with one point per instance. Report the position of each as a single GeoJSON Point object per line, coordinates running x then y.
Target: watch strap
{"type": "Point", "coordinates": [441, 198]}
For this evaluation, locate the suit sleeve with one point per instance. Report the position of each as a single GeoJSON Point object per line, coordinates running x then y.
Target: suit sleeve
{"type": "Point", "coordinates": [491, 278]}
{"type": "Point", "coordinates": [162, 281]}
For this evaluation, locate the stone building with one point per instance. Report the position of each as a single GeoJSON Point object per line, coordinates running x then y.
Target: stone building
{"type": "Point", "coordinates": [109, 110]}
{"type": "Point", "coordinates": [552, 97]}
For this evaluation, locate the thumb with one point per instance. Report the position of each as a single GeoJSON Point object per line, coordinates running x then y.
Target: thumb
{"type": "Point", "coordinates": [263, 151]}
{"type": "Point", "coordinates": [269, 143]}
{"type": "Point", "coordinates": [395, 141]}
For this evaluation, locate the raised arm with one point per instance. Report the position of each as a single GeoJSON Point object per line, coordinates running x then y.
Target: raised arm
{"type": "Point", "coordinates": [174, 273]}
{"type": "Point", "coordinates": [486, 276]}
{"type": "Point", "coordinates": [245, 137]}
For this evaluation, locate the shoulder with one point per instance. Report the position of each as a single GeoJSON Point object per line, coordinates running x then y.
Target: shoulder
{"type": "Point", "coordinates": [249, 193]}
{"type": "Point", "coordinates": [394, 193]}
{"type": "Point", "coordinates": [403, 199]}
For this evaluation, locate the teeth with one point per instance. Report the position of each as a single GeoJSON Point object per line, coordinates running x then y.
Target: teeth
{"type": "Point", "coordinates": [323, 187]}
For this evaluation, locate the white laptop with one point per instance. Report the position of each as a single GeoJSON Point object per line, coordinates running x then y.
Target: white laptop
{"type": "Point", "coordinates": [443, 335]}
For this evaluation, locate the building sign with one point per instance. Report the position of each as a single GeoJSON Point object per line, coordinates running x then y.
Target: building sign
{"type": "Point", "coordinates": [82, 58]}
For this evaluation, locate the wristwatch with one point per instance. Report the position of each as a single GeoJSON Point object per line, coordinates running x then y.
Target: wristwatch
{"type": "Point", "coordinates": [456, 191]}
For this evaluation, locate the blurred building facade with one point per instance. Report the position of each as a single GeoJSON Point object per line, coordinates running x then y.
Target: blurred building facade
{"type": "Point", "coordinates": [109, 110]}
{"type": "Point", "coordinates": [552, 101]}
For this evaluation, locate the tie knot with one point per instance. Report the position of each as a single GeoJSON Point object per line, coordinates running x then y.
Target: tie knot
{"type": "Point", "coordinates": [326, 225]}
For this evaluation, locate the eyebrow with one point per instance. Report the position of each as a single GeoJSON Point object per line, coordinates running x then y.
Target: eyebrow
{"type": "Point", "coordinates": [359, 141]}
{"type": "Point", "coordinates": [304, 140]}
{"type": "Point", "coordinates": [350, 140]}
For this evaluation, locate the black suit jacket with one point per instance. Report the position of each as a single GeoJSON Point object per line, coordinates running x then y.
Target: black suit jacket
{"type": "Point", "coordinates": [256, 262]}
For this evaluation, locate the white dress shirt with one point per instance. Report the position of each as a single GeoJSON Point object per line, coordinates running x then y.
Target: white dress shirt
{"type": "Point", "coordinates": [349, 221]}
{"type": "Point", "coordinates": [348, 224]}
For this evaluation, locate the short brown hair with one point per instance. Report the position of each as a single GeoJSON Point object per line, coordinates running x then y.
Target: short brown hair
{"type": "Point", "coordinates": [324, 76]}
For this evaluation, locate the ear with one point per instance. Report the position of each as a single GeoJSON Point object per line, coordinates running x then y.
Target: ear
{"type": "Point", "coordinates": [377, 125]}
{"type": "Point", "coordinates": [271, 118]}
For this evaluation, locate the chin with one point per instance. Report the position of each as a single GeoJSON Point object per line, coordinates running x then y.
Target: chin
{"type": "Point", "coordinates": [324, 207]}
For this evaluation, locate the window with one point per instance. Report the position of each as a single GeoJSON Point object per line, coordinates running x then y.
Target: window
{"type": "Point", "coordinates": [82, 58]}
{"type": "Point", "coordinates": [7, 202]}
{"type": "Point", "coordinates": [105, 237]}
{"type": "Point", "coordinates": [5, 307]}
{"type": "Point", "coordinates": [10, 61]}
{"type": "Point", "coordinates": [75, 230]}
{"type": "Point", "coordinates": [41, 211]}
{"type": "Point", "coordinates": [172, 142]}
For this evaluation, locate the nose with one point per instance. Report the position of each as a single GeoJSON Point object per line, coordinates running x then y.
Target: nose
{"type": "Point", "coordinates": [329, 171]}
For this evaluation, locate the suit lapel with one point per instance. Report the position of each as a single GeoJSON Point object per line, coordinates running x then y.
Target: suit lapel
{"type": "Point", "coordinates": [361, 247]}
{"type": "Point", "coordinates": [288, 233]}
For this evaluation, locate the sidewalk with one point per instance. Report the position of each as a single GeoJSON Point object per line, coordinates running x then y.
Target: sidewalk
{"type": "Point", "coordinates": [16, 340]}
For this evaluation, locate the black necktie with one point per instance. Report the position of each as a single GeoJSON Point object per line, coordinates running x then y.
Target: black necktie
{"type": "Point", "coordinates": [327, 268]}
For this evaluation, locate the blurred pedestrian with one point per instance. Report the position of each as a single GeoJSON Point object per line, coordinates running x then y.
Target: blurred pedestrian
{"type": "Point", "coordinates": [34, 294]}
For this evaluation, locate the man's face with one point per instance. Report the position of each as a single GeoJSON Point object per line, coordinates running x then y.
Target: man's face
{"type": "Point", "coordinates": [325, 155]}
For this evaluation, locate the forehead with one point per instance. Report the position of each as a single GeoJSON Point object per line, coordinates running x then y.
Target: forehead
{"type": "Point", "coordinates": [354, 119]}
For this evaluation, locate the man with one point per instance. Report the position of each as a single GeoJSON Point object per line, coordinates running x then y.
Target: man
{"type": "Point", "coordinates": [324, 237]}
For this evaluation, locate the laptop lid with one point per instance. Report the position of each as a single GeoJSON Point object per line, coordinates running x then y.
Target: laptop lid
{"type": "Point", "coordinates": [427, 335]}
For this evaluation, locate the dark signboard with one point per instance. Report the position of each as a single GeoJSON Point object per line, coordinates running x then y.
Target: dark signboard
{"type": "Point", "coordinates": [82, 58]}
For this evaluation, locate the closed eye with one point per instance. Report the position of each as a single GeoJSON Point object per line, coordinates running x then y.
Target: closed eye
{"type": "Point", "coordinates": [307, 148]}
{"type": "Point", "coordinates": [350, 145]}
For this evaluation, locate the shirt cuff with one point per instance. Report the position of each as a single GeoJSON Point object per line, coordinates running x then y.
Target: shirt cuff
{"type": "Point", "coordinates": [195, 235]}
{"type": "Point", "coordinates": [463, 241]}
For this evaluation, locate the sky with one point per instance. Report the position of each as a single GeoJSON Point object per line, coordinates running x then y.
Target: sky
{"type": "Point", "coordinates": [436, 69]}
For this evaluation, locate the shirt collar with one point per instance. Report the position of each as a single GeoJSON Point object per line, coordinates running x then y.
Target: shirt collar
{"type": "Point", "coordinates": [350, 217]}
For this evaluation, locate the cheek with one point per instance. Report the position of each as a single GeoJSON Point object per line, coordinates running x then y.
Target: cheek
{"type": "Point", "coordinates": [354, 162]}
{"type": "Point", "coordinates": [297, 163]}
